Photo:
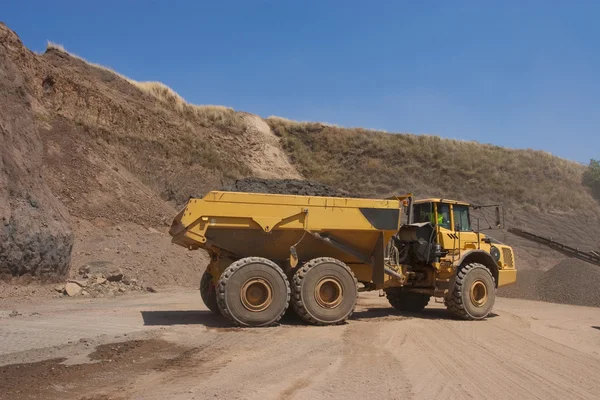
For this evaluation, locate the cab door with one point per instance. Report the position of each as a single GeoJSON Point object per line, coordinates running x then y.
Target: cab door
{"type": "Point", "coordinates": [468, 239]}
{"type": "Point", "coordinates": [446, 236]}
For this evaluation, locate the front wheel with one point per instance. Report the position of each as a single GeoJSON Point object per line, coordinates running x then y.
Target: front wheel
{"type": "Point", "coordinates": [474, 293]}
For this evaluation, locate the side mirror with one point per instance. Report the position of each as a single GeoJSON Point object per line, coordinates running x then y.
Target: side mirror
{"type": "Point", "coordinates": [498, 221]}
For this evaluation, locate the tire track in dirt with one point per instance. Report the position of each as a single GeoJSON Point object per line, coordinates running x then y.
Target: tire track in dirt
{"type": "Point", "coordinates": [501, 361]}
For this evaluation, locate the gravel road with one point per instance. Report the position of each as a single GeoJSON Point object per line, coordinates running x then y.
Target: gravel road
{"type": "Point", "coordinates": [167, 345]}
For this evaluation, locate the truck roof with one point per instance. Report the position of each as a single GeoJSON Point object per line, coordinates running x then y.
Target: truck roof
{"type": "Point", "coordinates": [439, 200]}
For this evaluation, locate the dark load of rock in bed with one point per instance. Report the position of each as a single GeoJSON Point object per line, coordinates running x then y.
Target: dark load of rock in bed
{"type": "Point", "coordinates": [569, 282]}
{"type": "Point", "coordinates": [284, 186]}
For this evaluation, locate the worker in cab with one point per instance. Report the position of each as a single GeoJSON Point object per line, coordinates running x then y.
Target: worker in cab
{"type": "Point", "coordinates": [440, 219]}
{"type": "Point", "coordinates": [443, 218]}
{"type": "Point", "coordinates": [443, 210]}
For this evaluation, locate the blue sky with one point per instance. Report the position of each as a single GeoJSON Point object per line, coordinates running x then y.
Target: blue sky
{"type": "Point", "coordinates": [520, 74]}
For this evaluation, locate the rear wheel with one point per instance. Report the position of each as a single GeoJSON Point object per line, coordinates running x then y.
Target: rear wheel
{"type": "Point", "coordinates": [253, 291]}
{"type": "Point", "coordinates": [407, 301]}
{"type": "Point", "coordinates": [324, 291]}
{"type": "Point", "coordinates": [208, 292]}
{"type": "Point", "coordinates": [474, 292]}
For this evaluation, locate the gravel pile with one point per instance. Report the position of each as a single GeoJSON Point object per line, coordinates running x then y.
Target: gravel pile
{"type": "Point", "coordinates": [570, 282]}
{"type": "Point", "coordinates": [284, 186]}
{"type": "Point", "coordinates": [526, 286]}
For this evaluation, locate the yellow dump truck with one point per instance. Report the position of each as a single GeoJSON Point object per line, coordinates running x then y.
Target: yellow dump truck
{"type": "Point", "coordinates": [315, 254]}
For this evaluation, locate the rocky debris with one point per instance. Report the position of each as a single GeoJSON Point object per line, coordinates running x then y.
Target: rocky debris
{"type": "Point", "coordinates": [99, 280]}
{"type": "Point", "coordinates": [72, 289]}
{"type": "Point", "coordinates": [14, 313]}
{"type": "Point", "coordinates": [115, 275]}
{"type": "Point", "coordinates": [85, 269]}
{"type": "Point", "coordinates": [98, 285]}
{"type": "Point", "coordinates": [79, 282]}
{"type": "Point", "coordinates": [284, 186]}
{"type": "Point", "coordinates": [96, 268]}
{"type": "Point", "coordinates": [571, 281]}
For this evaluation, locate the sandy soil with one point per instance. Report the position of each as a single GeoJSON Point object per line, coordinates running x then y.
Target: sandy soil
{"type": "Point", "coordinates": [167, 345]}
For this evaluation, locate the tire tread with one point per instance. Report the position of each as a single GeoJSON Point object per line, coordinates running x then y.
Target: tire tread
{"type": "Point", "coordinates": [209, 300]}
{"type": "Point", "coordinates": [229, 272]}
{"type": "Point", "coordinates": [297, 302]}
{"type": "Point", "coordinates": [454, 301]}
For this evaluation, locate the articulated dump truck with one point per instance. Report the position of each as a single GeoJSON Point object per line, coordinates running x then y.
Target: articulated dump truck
{"type": "Point", "coordinates": [315, 254]}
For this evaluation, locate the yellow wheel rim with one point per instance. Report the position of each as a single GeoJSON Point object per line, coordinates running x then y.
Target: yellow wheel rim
{"type": "Point", "coordinates": [478, 293]}
{"type": "Point", "coordinates": [256, 294]}
{"type": "Point", "coordinates": [329, 293]}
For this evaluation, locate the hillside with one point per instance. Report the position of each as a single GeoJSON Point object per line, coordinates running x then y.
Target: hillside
{"type": "Point", "coordinates": [86, 151]}
{"type": "Point", "coordinates": [540, 192]}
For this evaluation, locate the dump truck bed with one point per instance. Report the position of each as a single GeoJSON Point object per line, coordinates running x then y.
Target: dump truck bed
{"type": "Point", "coordinates": [267, 225]}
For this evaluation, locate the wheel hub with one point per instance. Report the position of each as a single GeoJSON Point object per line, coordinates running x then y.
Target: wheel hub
{"type": "Point", "coordinates": [256, 294]}
{"type": "Point", "coordinates": [478, 293]}
{"type": "Point", "coordinates": [329, 293]}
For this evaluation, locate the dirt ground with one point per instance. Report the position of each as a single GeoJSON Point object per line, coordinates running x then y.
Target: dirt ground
{"type": "Point", "coordinates": [168, 345]}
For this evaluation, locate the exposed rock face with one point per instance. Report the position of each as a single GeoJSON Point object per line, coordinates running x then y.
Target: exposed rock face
{"type": "Point", "coordinates": [35, 236]}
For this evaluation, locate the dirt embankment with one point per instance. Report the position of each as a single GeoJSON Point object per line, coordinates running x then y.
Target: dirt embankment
{"type": "Point", "coordinates": [82, 143]}
{"type": "Point", "coordinates": [35, 237]}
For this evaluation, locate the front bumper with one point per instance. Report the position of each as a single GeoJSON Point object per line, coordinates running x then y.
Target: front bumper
{"type": "Point", "coordinates": [507, 277]}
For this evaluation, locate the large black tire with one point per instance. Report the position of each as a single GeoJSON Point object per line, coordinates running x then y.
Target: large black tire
{"type": "Point", "coordinates": [474, 293]}
{"type": "Point", "coordinates": [208, 292]}
{"type": "Point", "coordinates": [253, 291]}
{"type": "Point", "coordinates": [407, 301]}
{"type": "Point", "coordinates": [324, 292]}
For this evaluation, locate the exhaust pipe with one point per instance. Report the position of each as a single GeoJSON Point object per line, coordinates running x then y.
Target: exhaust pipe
{"type": "Point", "coordinates": [393, 273]}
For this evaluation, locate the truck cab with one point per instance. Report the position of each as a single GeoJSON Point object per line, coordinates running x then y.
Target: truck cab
{"type": "Point", "coordinates": [443, 254]}
{"type": "Point", "coordinates": [462, 242]}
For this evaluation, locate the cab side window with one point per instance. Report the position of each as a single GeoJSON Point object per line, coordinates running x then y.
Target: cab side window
{"type": "Point", "coordinates": [443, 215]}
{"type": "Point", "coordinates": [461, 218]}
{"type": "Point", "coordinates": [423, 212]}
